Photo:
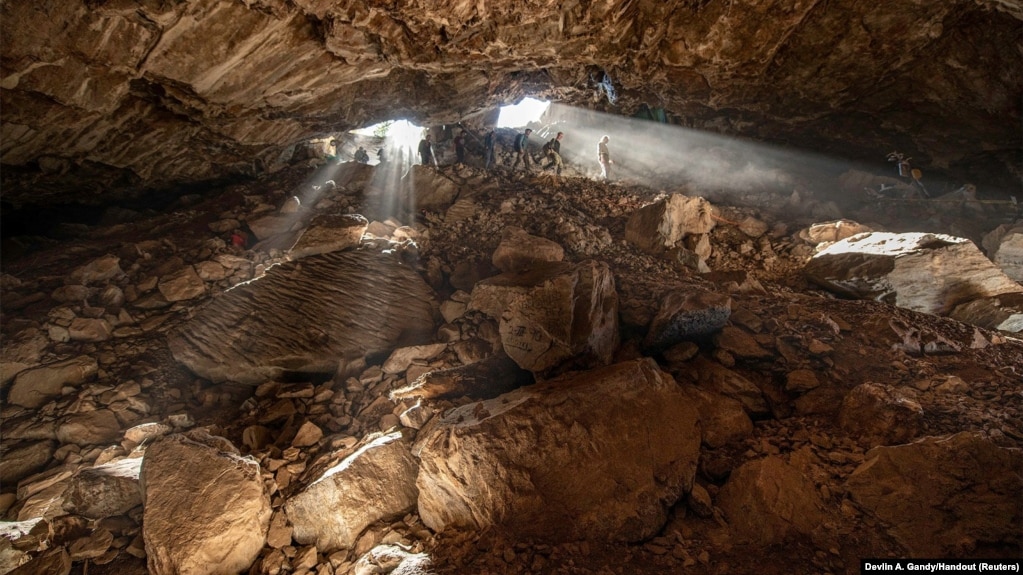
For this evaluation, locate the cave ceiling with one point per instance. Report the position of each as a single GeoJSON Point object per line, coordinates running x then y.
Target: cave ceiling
{"type": "Point", "coordinates": [106, 98]}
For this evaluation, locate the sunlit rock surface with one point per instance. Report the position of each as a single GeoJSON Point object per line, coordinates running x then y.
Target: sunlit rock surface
{"type": "Point", "coordinates": [206, 511]}
{"type": "Point", "coordinates": [376, 482]}
{"type": "Point", "coordinates": [932, 273]}
{"type": "Point", "coordinates": [663, 224]}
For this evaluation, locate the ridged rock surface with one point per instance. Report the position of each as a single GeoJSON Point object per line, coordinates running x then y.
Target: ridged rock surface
{"type": "Point", "coordinates": [304, 316]}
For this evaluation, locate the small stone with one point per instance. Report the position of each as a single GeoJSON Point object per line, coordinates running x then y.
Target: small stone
{"type": "Point", "coordinates": [92, 546]}
{"type": "Point", "coordinates": [309, 434]}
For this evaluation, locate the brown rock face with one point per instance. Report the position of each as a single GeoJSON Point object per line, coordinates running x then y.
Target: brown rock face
{"type": "Point", "coordinates": [943, 496]}
{"type": "Point", "coordinates": [601, 454]}
{"type": "Point", "coordinates": [768, 501]}
{"type": "Point", "coordinates": [113, 94]}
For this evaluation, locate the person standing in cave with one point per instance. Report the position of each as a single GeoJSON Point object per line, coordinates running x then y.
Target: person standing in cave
{"type": "Point", "coordinates": [460, 146]}
{"type": "Point", "coordinates": [604, 157]}
{"type": "Point", "coordinates": [336, 156]}
{"type": "Point", "coordinates": [553, 148]}
{"type": "Point", "coordinates": [488, 149]}
{"type": "Point", "coordinates": [426, 155]}
{"type": "Point", "coordinates": [361, 155]}
{"type": "Point", "coordinates": [522, 149]}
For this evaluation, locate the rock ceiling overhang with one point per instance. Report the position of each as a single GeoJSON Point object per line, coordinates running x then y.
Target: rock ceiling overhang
{"type": "Point", "coordinates": [100, 97]}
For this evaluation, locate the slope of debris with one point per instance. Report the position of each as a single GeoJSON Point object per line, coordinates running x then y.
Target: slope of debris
{"type": "Point", "coordinates": [116, 387]}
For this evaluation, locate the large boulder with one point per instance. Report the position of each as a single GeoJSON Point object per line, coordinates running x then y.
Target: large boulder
{"type": "Point", "coordinates": [553, 313]}
{"type": "Point", "coordinates": [329, 233]}
{"type": "Point", "coordinates": [723, 420]}
{"type": "Point", "coordinates": [1004, 246]}
{"type": "Point", "coordinates": [24, 459]}
{"type": "Point", "coordinates": [181, 284]}
{"type": "Point", "coordinates": [519, 250]}
{"type": "Point", "coordinates": [662, 225]}
{"type": "Point", "coordinates": [376, 482]}
{"type": "Point", "coordinates": [832, 231]}
{"type": "Point", "coordinates": [429, 189]}
{"type": "Point", "coordinates": [768, 501]}
{"type": "Point", "coordinates": [684, 316]}
{"type": "Point", "coordinates": [35, 387]}
{"type": "Point", "coordinates": [714, 377]}
{"type": "Point", "coordinates": [105, 490]}
{"type": "Point", "coordinates": [877, 414]}
{"type": "Point", "coordinates": [206, 511]}
{"type": "Point", "coordinates": [602, 454]}
{"type": "Point", "coordinates": [302, 316]}
{"type": "Point", "coordinates": [1003, 312]}
{"type": "Point", "coordinates": [944, 496]}
{"type": "Point", "coordinates": [931, 273]}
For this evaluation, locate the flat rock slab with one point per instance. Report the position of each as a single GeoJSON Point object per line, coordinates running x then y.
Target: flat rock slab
{"type": "Point", "coordinates": [304, 315]}
{"type": "Point", "coordinates": [930, 273]}
{"type": "Point", "coordinates": [330, 233]}
{"type": "Point", "coordinates": [941, 493]}
{"type": "Point", "coordinates": [602, 454]}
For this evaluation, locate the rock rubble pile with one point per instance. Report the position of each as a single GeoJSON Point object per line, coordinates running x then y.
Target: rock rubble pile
{"type": "Point", "coordinates": [515, 375]}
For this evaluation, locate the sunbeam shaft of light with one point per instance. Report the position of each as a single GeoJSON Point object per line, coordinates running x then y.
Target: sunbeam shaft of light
{"type": "Point", "coordinates": [654, 153]}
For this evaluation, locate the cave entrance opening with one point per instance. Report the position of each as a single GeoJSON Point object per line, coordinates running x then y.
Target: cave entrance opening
{"type": "Point", "coordinates": [522, 114]}
{"type": "Point", "coordinates": [393, 140]}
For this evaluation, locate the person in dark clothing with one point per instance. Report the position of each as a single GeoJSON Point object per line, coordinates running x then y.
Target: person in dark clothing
{"type": "Point", "coordinates": [522, 149]}
{"type": "Point", "coordinates": [488, 149]}
{"type": "Point", "coordinates": [460, 146]}
{"type": "Point", "coordinates": [361, 155]}
{"type": "Point", "coordinates": [426, 156]}
{"type": "Point", "coordinates": [553, 148]}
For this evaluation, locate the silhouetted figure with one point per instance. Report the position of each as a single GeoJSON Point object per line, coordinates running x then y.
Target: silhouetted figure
{"type": "Point", "coordinates": [553, 152]}
{"type": "Point", "coordinates": [361, 155]}
{"type": "Point", "coordinates": [488, 149]}
{"type": "Point", "coordinates": [460, 146]}
{"type": "Point", "coordinates": [380, 155]}
{"type": "Point", "coordinates": [521, 149]}
{"type": "Point", "coordinates": [426, 155]}
{"type": "Point", "coordinates": [604, 157]}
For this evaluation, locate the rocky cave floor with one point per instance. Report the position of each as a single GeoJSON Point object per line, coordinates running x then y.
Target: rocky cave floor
{"type": "Point", "coordinates": [977, 388]}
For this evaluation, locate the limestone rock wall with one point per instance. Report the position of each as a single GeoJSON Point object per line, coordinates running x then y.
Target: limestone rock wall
{"type": "Point", "coordinates": [109, 95]}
